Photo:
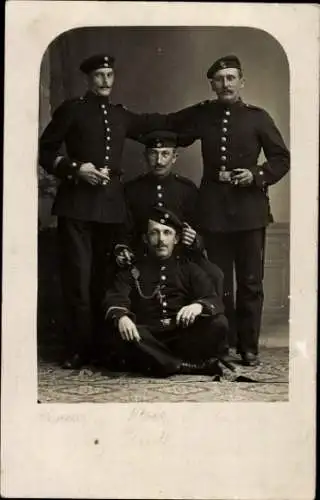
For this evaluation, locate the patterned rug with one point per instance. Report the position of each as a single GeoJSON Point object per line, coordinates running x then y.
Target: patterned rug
{"type": "Point", "coordinates": [95, 386]}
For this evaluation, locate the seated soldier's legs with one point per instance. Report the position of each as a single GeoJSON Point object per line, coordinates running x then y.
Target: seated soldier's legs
{"type": "Point", "coordinates": [205, 339]}
{"type": "Point", "coordinates": [149, 356]}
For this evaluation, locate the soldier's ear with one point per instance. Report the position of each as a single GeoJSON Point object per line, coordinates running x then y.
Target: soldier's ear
{"type": "Point", "coordinates": [212, 86]}
{"type": "Point", "coordinates": [175, 156]}
{"type": "Point", "coordinates": [144, 238]}
{"type": "Point", "coordinates": [177, 238]}
{"type": "Point", "coordinates": [242, 82]}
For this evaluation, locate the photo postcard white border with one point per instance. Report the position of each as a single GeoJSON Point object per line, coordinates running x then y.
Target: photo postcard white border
{"type": "Point", "coordinates": [206, 450]}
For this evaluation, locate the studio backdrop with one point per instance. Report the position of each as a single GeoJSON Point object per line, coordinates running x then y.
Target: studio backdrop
{"type": "Point", "coordinates": [164, 69]}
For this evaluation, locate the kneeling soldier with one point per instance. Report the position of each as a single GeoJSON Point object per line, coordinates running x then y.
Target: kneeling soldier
{"type": "Point", "coordinates": [164, 311]}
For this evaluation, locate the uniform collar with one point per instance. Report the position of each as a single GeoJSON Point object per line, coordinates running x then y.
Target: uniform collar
{"type": "Point", "coordinates": [165, 263]}
{"type": "Point", "coordinates": [159, 180]}
{"type": "Point", "coordinates": [98, 98]}
{"type": "Point", "coordinates": [223, 106]}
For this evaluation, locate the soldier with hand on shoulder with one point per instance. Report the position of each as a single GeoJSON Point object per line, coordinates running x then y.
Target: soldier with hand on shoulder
{"type": "Point", "coordinates": [89, 203]}
{"type": "Point", "coordinates": [233, 205]}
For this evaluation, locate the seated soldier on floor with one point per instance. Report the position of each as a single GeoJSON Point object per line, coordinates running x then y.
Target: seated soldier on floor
{"type": "Point", "coordinates": [162, 188]}
{"type": "Point", "coordinates": [162, 311]}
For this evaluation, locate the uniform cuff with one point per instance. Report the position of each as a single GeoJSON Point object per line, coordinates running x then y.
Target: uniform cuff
{"type": "Point", "coordinates": [114, 314]}
{"type": "Point", "coordinates": [258, 176]}
{"type": "Point", "coordinates": [197, 244]}
{"type": "Point", "coordinates": [211, 308]}
{"type": "Point", "coordinates": [66, 168]}
{"type": "Point", "coordinates": [207, 307]}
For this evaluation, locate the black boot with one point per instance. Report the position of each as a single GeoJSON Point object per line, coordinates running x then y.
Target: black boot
{"type": "Point", "coordinates": [250, 359]}
{"type": "Point", "coordinates": [209, 367]}
{"type": "Point", "coordinates": [75, 362]}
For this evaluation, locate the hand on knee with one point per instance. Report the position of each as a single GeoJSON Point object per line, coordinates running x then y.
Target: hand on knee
{"type": "Point", "coordinates": [128, 330]}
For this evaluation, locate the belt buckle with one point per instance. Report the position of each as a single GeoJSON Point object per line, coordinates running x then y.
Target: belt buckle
{"type": "Point", "coordinates": [225, 176]}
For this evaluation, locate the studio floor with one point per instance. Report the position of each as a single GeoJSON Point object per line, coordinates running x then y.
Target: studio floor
{"type": "Point", "coordinates": [90, 385]}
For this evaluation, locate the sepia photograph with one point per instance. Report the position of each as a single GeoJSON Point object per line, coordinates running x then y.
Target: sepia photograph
{"type": "Point", "coordinates": [183, 125]}
{"type": "Point", "coordinates": [160, 249]}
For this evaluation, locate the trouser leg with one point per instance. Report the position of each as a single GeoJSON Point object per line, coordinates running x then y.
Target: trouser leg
{"type": "Point", "coordinates": [220, 251]}
{"type": "Point", "coordinates": [149, 356]}
{"type": "Point", "coordinates": [75, 267]}
{"type": "Point", "coordinates": [249, 274]}
{"type": "Point", "coordinates": [104, 237]}
{"type": "Point", "coordinates": [205, 339]}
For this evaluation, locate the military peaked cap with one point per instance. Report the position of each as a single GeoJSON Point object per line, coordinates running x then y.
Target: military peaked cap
{"type": "Point", "coordinates": [230, 61]}
{"type": "Point", "coordinates": [96, 62]}
{"type": "Point", "coordinates": [160, 139]}
{"type": "Point", "coordinates": [164, 216]}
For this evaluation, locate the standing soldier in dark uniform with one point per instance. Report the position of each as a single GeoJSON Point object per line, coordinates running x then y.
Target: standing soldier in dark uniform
{"type": "Point", "coordinates": [165, 313]}
{"type": "Point", "coordinates": [233, 208]}
{"type": "Point", "coordinates": [89, 203]}
{"type": "Point", "coordinates": [160, 187]}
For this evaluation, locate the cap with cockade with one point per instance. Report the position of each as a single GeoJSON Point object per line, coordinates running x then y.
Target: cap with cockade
{"type": "Point", "coordinates": [230, 61]}
{"type": "Point", "coordinates": [160, 139]}
{"type": "Point", "coordinates": [96, 62]}
{"type": "Point", "coordinates": [164, 216]}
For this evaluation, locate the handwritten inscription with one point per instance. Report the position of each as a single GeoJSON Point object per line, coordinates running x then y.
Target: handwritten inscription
{"type": "Point", "coordinates": [63, 417]}
{"type": "Point", "coordinates": [147, 427]}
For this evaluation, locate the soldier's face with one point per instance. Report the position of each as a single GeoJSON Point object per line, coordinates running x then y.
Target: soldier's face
{"type": "Point", "coordinates": [161, 160]}
{"type": "Point", "coordinates": [101, 81]}
{"type": "Point", "coordinates": [227, 84]}
{"type": "Point", "coordinates": [161, 239]}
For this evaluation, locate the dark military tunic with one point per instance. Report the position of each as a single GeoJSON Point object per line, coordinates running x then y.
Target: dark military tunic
{"type": "Point", "coordinates": [175, 192]}
{"type": "Point", "coordinates": [168, 285]}
{"type": "Point", "coordinates": [93, 130]}
{"type": "Point", "coordinates": [232, 218]}
{"type": "Point", "coordinates": [90, 218]}
{"type": "Point", "coordinates": [153, 300]}
{"type": "Point", "coordinates": [232, 136]}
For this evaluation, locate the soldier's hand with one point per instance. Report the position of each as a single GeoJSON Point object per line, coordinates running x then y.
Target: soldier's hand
{"type": "Point", "coordinates": [128, 330]}
{"type": "Point", "coordinates": [188, 314]}
{"type": "Point", "coordinates": [124, 257]}
{"type": "Point", "coordinates": [188, 235]}
{"type": "Point", "coordinates": [241, 177]}
{"type": "Point", "coordinates": [90, 174]}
